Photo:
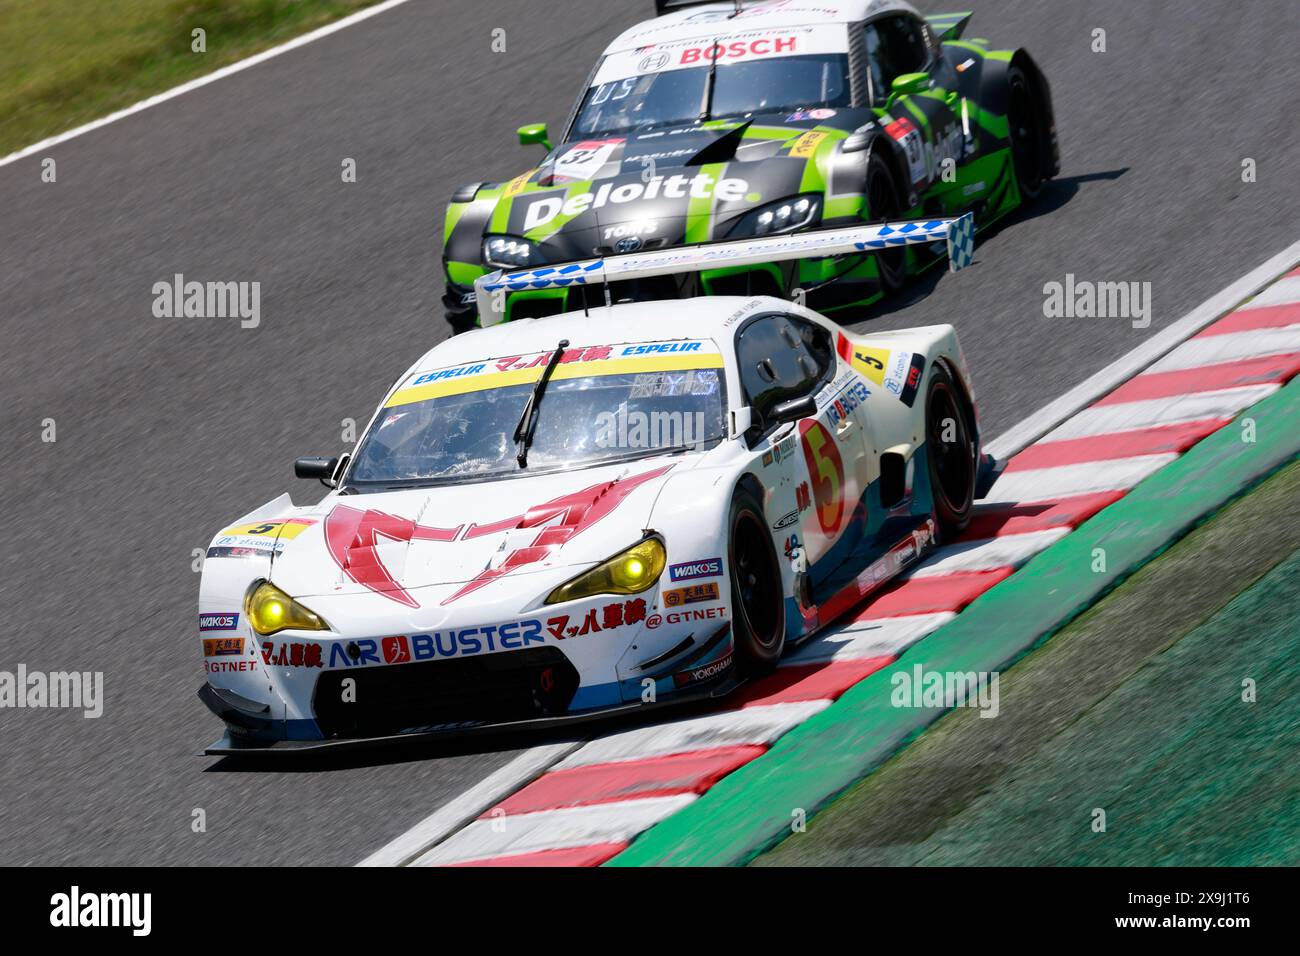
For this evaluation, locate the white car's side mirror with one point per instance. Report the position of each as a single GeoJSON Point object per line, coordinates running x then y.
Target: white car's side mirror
{"type": "Point", "coordinates": [741, 420]}
{"type": "Point", "coordinates": [337, 476]}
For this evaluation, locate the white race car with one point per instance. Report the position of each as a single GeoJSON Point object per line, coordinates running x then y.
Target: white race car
{"type": "Point", "coordinates": [591, 513]}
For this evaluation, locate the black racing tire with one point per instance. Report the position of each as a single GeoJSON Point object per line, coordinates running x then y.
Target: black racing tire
{"type": "Point", "coordinates": [758, 607]}
{"type": "Point", "coordinates": [461, 321]}
{"type": "Point", "coordinates": [884, 202]}
{"type": "Point", "coordinates": [1025, 126]}
{"type": "Point", "coordinates": [952, 455]}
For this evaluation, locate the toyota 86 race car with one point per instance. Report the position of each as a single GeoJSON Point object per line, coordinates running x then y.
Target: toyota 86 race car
{"type": "Point", "coordinates": [722, 121]}
{"type": "Point", "coordinates": [557, 518]}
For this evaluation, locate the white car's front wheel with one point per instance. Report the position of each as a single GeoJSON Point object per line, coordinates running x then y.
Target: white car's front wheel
{"type": "Point", "coordinates": [758, 608]}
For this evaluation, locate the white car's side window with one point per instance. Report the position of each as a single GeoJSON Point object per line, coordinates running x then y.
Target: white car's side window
{"type": "Point", "coordinates": [780, 357]}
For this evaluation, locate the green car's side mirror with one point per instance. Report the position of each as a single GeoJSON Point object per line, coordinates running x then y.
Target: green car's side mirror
{"type": "Point", "coordinates": [909, 84]}
{"type": "Point", "coordinates": [531, 133]}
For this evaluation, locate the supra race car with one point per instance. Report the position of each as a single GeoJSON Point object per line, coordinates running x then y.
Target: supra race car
{"type": "Point", "coordinates": [722, 121]}
{"type": "Point", "coordinates": [592, 513]}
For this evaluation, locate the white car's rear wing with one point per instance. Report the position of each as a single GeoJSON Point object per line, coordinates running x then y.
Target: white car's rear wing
{"type": "Point", "coordinates": [959, 234]}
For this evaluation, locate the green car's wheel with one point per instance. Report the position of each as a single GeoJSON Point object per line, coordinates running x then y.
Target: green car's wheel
{"type": "Point", "coordinates": [883, 203]}
{"type": "Point", "coordinates": [1025, 122]}
{"type": "Point", "coordinates": [461, 321]}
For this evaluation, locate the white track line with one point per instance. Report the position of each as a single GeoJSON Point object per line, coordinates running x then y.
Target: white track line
{"type": "Point", "coordinates": [1004, 551]}
{"type": "Point", "coordinates": [554, 830]}
{"type": "Point", "coordinates": [866, 638]}
{"type": "Point", "coordinates": [1150, 412]}
{"type": "Point", "coordinates": [471, 804]}
{"type": "Point", "coordinates": [881, 637]}
{"type": "Point", "coordinates": [1282, 292]}
{"type": "Point", "coordinates": [1126, 366]}
{"type": "Point", "coordinates": [1230, 347]}
{"type": "Point", "coordinates": [1066, 481]}
{"type": "Point", "coordinates": [748, 725]}
{"type": "Point", "coordinates": [212, 77]}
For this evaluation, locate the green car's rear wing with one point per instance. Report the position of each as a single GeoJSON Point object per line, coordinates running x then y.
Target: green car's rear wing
{"type": "Point", "coordinates": [959, 235]}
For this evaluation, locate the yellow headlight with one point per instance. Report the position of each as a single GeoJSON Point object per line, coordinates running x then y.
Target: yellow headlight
{"type": "Point", "coordinates": [269, 610]}
{"type": "Point", "coordinates": [630, 572]}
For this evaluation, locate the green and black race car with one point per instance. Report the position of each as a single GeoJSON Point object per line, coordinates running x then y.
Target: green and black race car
{"type": "Point", "coordinates": [723, 121]}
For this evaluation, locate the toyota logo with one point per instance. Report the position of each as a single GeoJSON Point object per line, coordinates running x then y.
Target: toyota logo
{"type": "Point", "coordinates": [628, 244]}
{"type": "Point", "coordinates": [655, 61]}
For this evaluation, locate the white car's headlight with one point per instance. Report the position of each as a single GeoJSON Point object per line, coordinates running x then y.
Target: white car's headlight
{"type": "Point", "coordinates": [270, 610]}
{"type": "Point", "coordinates": [628, 572]}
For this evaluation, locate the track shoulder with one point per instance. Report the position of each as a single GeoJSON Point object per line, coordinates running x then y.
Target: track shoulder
{"type": "Point", "coordinates": [1135, 708]}
{"type": "Point", "coordinates": [747, 812]}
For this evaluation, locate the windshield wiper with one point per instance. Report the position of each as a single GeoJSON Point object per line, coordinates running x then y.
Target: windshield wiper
{"type": "Point", "coordinates": [527, 426]}
{"type": "Point", "coordinates": [706, 103]}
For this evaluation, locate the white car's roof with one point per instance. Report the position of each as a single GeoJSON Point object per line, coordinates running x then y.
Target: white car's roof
{"type": "Point", "coordinates": [711, 19]}
{"type": "Point", "coordinates": [697, 318]}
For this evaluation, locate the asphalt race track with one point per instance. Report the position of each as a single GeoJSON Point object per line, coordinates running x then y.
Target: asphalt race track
{"type": "Point", "coordinates": [166, 428]}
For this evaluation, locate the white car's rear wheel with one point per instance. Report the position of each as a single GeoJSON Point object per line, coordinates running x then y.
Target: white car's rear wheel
{"type": "Point", "coordinates": [952, 455]}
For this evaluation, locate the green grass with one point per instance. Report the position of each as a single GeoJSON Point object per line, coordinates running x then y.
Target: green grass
{"type": "Point", "coordinates": [67, 62]}
{"type": "Point", "coordinates": [1134, 708]}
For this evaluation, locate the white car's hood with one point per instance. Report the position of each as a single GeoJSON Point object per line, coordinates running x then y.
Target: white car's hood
{"type": "Point", "coordinates": [444, 545]}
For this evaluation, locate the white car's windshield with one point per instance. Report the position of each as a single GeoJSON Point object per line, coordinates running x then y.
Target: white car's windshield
{"type": "Point", "coordinates": [608, 403]}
